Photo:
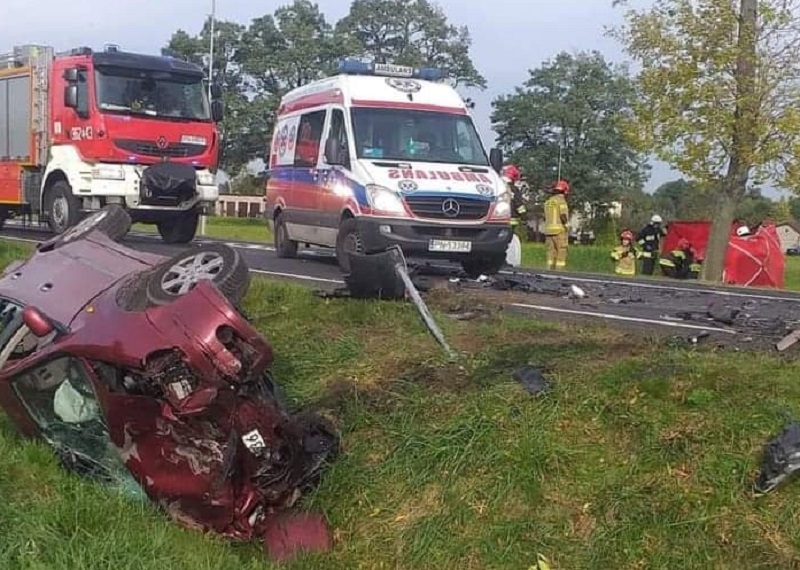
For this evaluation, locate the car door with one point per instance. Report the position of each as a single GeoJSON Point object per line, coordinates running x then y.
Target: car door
{"type": "Point", "coordinates": [334, 188]}
{"type": "Point", "coordinates": [305, 217]}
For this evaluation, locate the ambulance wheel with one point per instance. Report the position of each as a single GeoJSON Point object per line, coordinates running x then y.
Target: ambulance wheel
{"type": "Point", "coordinates": [284, 247]}
{"type": "Point", "coordinates": [474, 267]}
{"type": "Point", "coordinates": [63, 208]}
{"type": "Point", "coordinates": [180, 229]}
{"type": "Point", "coordinates": [348, 241]}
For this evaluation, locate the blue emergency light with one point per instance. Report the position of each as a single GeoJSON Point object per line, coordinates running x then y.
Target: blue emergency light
{"type": "Point", "coordinates": [356, 66]}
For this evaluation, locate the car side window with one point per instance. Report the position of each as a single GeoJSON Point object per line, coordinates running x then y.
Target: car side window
{"type": "Point", "coordinates": [309, 136]}
{"type": "Point", "coordinates": [60, 399]}
{"type": "Point", "coordinates": [338, 132]}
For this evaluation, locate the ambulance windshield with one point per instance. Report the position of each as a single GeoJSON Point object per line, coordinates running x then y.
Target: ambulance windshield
{"type": "Point", "coordinates": [151, 93]}
{"type": "Point", "coordinates": [417, 136]}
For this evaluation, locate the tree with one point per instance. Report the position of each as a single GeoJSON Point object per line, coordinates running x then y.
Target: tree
{"type": "Point", "coordinates": [572, 104]}
{"type": "Point", "coordinates": [411, 32]}
{"type": "Point", "coordinates": [719, 97]}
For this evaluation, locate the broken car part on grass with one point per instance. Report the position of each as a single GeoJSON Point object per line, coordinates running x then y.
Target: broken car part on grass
{"type": "Point", "coordinates": [140, 371]}
{"type": "Point", "coordinates": [781, 459]}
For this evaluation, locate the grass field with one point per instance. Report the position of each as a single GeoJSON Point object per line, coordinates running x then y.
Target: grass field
{"type": "Point", "coordinates": [590, 259]}
{"type": "Point", "coordinates": [641, 457]}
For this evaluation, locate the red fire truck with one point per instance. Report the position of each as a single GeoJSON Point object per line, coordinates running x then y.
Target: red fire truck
{"type": "Point", "coordinates": [83, 129]}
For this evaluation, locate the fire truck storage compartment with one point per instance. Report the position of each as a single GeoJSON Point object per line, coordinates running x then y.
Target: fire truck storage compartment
{"type": "Point", "coordinates": [15, 117]}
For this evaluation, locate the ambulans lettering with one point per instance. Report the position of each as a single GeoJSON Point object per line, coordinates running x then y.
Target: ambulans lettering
{"type": "Point", "coordinates": [397, 174]}
{"type": "Point", "coordinates": [81, 133]}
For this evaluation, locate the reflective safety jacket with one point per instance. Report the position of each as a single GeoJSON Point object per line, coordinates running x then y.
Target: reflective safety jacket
{"type": "Point", "coordinates": [649, 240]}
{"type": "Point", "coordinates": [683, 263]}
{"type": "Point", "coordinates": [626, 260]}
{"type": "Point", "coordinates": [555, 207]}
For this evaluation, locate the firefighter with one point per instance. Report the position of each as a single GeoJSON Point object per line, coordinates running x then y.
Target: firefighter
{"type": "Point", "coordinates": [681, 262]}
{"type": "Point", "coordinates": [625, 255]}
{"type": "Point", "coordinates": [511, 176]}
{"type": "Point", "coordinates": [649, 241]}
{"type": "Point", "coordinates": [556, 217]}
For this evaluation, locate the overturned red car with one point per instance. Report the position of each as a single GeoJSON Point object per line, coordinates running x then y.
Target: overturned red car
{"type": "Point", "coordinates": [140, 370]}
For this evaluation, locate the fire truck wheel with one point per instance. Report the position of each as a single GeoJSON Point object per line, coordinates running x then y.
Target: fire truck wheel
{"type": "Point", "coordinates": [180, 229]}
{"type": "Point", "coordinates": [348, 241]}
{"type": "Point", "coordinates": [216, 262]}
{"type": "Point", "coordinates": [112, 220]}
{"type": "Point", "coordinates": [3, 216]}
{"type": "Point", "coordinates": [474, 267]}
{"type": "Point", "coordinates": [63, 208]}
{"type": "Point", "coordinates": [284, 247]}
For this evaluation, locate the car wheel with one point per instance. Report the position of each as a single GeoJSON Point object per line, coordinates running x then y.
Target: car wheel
{"type": "Point", "coordinates": [474, 267]}
{"type": "Point", "coordinates": [284, 247]}
{"type": "Point", "coordinates": [179, 229]}
{"type": "Point", "coordinates": [216, 262]}
{"type": "Point", "coordinates": [63, 208]}
{"type": "Point", "coordinates": [348, 240]}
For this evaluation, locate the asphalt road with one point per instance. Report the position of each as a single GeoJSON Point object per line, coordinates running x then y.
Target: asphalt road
{"type": "Point", "coordinates": [680, 308]}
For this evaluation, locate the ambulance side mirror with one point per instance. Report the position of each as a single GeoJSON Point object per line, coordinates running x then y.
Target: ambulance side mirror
{"type": "Point", "coordinates": [333, 154]}
{"type": "Point", "coordinates": [496, 159]}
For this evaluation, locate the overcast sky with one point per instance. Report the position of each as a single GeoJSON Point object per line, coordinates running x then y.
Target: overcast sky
{"type": "Point", "coordinates": [509, 36]}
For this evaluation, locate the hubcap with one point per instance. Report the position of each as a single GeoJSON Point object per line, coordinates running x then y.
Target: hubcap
{"type": "Point", "coordinates": [352, 243]}
{"type": "Point", "coordinates": [60, 212]}
{"type": "Point", "coordinates": [184, 275]}
{"type": "Point", "coordinates": [87, 223]}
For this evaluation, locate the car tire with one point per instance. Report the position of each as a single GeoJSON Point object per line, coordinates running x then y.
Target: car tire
{"type": "Point", "coordinates": [219, 263]}
{"type": "Point", "coordinates": [474, 267]}
{"type": "Point", "coordinates": [62, 206]}
{"type": "Point", "coordinates": [348, 240]}
{"type": "Point", "coordinates": [284, 247]}
{"type": "Point", "coordinates": [112, 220]}
{"type": "Point", "coordinates": [180, 229]}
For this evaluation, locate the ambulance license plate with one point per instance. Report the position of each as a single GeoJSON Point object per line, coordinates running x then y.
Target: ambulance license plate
{"type": "Point", "coordinates": [449, 246]}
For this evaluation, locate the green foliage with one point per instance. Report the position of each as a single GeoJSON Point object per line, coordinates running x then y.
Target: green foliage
{"type": "Point", "coordinates": [258, 63]}
{"type": "Point", "coordinates": [573, 102]}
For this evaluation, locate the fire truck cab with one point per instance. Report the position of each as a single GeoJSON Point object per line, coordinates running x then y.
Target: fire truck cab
{"type": "Point", "coordinates": [84, 129]}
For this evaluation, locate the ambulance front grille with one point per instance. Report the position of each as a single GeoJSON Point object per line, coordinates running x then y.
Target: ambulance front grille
{"type": "Point", "coordinates": [448, 208]}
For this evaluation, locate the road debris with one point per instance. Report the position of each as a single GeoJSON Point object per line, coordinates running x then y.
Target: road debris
{"type": "Point", "coordinates": [780, 460]}
{"type": "Point", "coordinates": [532, 380]}
{"type": "Point", "coordinates": [788, 341]}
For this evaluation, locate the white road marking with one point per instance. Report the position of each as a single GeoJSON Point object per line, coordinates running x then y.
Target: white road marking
{"type": "Point", "coordinates": [621, 318]}
{"type": "Point", "coordinates": [297, 276]}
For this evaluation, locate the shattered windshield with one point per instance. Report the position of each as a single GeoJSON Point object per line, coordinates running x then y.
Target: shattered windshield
{"type": "Point", "coordinates": [151, 93]}
{"type": "Point", "coordinates": [410, 135]}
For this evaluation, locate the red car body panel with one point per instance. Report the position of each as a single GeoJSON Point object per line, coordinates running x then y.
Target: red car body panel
{"type": "Point", "coordinates": [186, 446]}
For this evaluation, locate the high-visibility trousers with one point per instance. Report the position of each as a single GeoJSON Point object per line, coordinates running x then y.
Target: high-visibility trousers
{"type": "Point", "coordinates": [557, 250]}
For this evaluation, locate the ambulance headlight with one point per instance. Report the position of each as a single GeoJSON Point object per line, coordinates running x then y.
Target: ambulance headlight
{"type": "Point", "coordinates": [385, 200]}
{"type": "Point", "coordinates": [502, 208]}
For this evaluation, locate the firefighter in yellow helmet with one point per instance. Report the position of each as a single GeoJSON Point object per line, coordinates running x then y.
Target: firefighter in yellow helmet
{"type": "Point", "coordinates": [625, 255]}
{"type": "Point", "coordinates": [556, 216]}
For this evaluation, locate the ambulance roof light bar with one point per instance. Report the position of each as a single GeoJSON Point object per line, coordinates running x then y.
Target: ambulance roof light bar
{"type": "Point", "coordinates": [358, 66]}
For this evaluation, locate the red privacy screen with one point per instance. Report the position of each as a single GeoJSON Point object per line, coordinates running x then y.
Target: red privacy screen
{"type": "Point", "coordinates": [756, 260]}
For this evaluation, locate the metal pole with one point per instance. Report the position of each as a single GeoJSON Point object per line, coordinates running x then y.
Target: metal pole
{"type": "Point", "coordinates": [559, 161]}
{"type": "Point", "coordinates": [210, 81]}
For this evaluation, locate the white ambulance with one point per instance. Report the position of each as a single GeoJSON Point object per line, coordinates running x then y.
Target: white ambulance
{"type": "Point", "coordinates": [381, 155]}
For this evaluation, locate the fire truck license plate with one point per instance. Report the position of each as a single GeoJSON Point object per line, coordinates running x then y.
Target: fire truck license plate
{"type": "Point", "coordinates": [450, 246]}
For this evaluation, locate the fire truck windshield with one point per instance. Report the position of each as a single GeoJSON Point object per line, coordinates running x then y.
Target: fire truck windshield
{"type": "Point", "coordinates": [417, 136]}
{"type": "Point", "coordinates": [164, 95]}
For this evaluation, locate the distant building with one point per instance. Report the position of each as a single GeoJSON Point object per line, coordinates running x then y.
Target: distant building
{"type": "Point", "coordinates": [789, 234]}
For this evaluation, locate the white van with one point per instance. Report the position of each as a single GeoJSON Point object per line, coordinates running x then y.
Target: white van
{"type": "Point", "coordinates": [381, 155]}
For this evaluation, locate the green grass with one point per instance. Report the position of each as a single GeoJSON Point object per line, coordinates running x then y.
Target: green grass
{"type": "Point", "coordinates": [640, 458]}
{"type": "Point", "coordinates": [235, 229]}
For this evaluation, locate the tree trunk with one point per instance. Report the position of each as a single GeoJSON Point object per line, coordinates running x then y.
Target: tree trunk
{"type": "Point", "coordinates": [743, 144]}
